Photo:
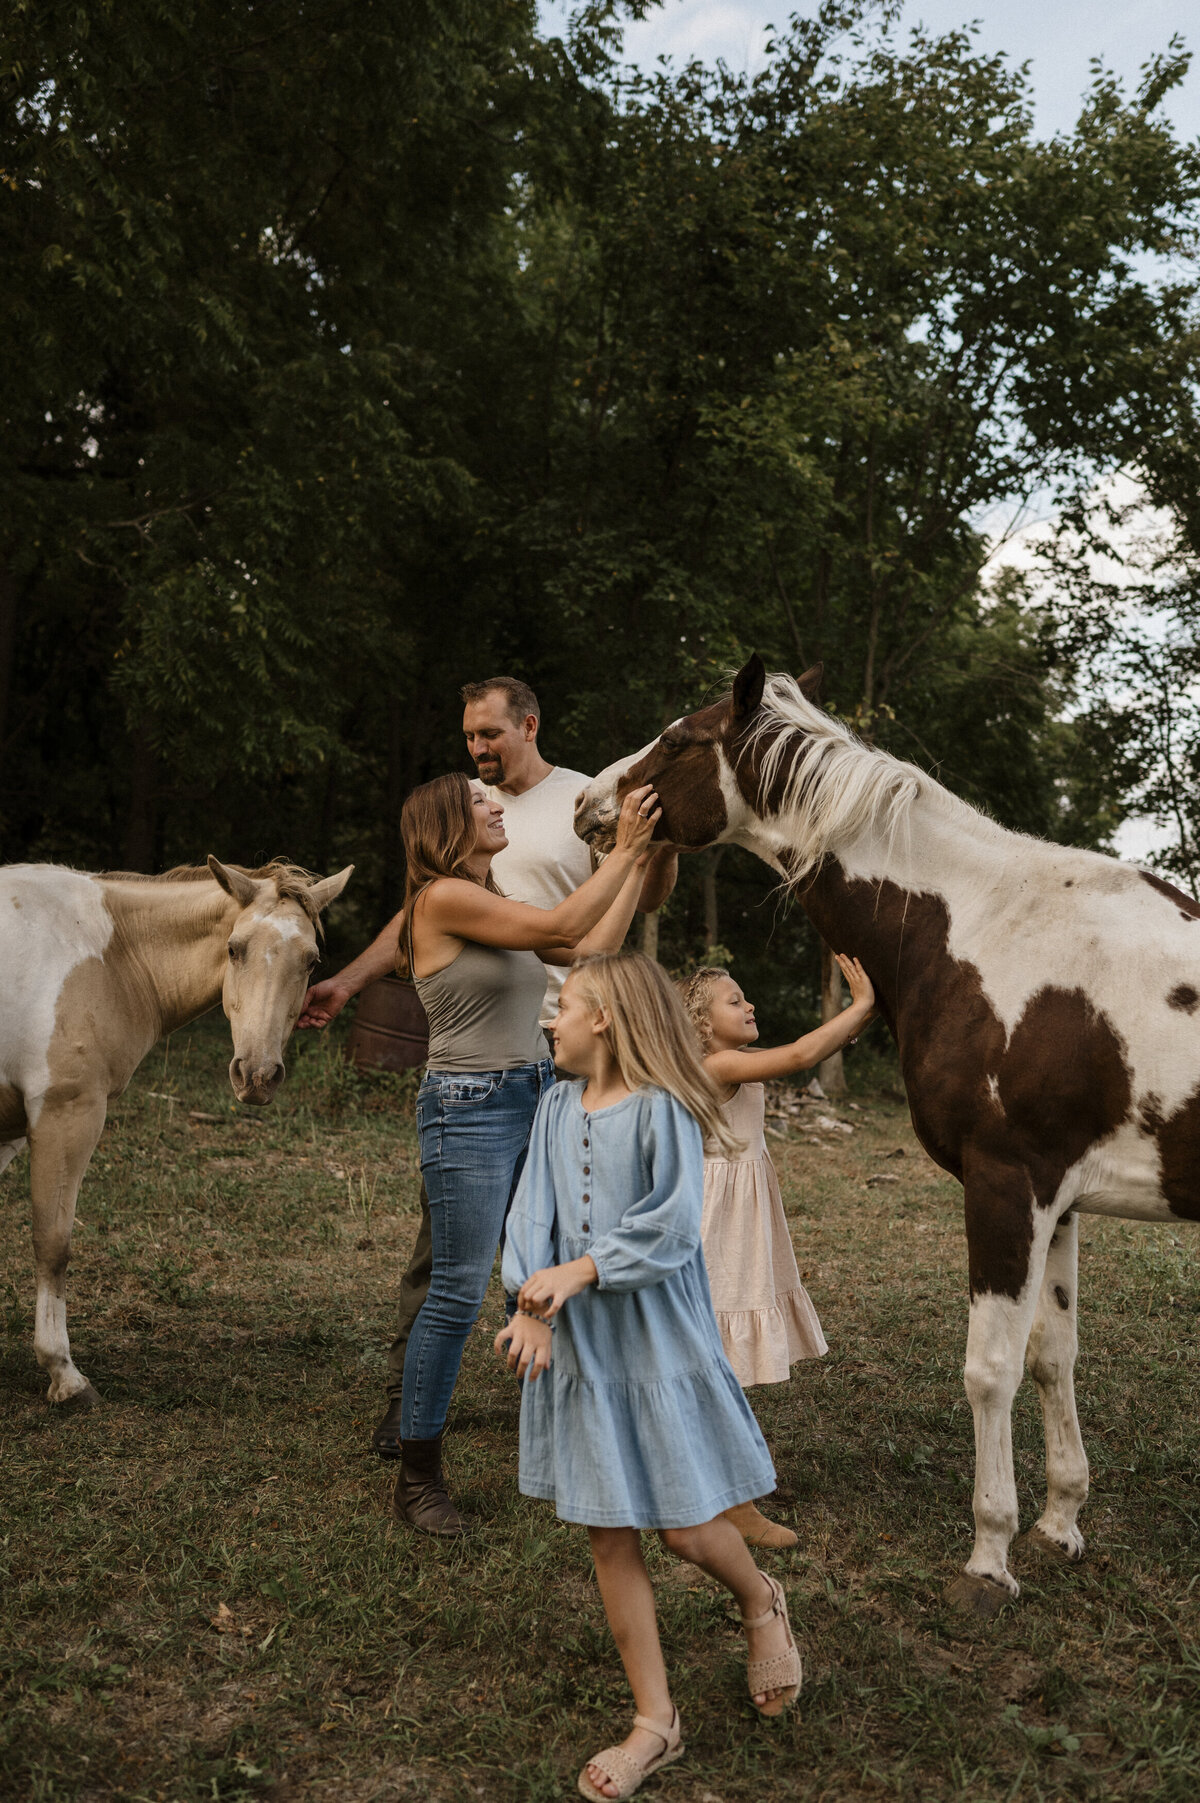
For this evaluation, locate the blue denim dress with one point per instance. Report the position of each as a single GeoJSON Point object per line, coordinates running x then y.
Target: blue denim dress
{"type": "Point", "coordinates": [640, 1421]}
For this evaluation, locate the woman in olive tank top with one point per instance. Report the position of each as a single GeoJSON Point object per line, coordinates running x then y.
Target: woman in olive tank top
{"type": "Point", "coordinates": [478, 962]}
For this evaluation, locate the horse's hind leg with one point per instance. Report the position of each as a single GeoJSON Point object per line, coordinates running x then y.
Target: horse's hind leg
{"type": "Point", "coordinates": [1053, 1344]}
{"type": "Point", "coordinates": [60, 1145]}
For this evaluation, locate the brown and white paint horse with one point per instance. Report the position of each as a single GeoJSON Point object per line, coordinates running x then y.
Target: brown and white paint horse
{"type": "Point", "coordinates": [99, 967]}
{"type": "Point", "coordinates": [1046, 1006]}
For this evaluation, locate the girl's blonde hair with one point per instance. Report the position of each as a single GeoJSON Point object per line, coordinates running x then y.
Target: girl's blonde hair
{"type": "Point", "coordinates": [439, 830]}
{"type": "Point", "coordinates": [650, 1037]}
{"type": "Point", "coordinates": [696, 992]}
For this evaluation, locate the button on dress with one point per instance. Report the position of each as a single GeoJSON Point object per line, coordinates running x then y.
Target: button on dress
{"type": "Point", "coordinates": [640, 1421]}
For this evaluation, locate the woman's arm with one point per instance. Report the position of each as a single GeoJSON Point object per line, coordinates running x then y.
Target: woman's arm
{"type": "Point", "coordinates": [608, 935]}
{"type": "Point", "coordinates": [454, 908]}
{"type": "Point", "coordinates": [726, 1067]}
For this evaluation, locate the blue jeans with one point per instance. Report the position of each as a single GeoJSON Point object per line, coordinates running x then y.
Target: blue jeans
{"type": "Point", "coordinates": [473, 1128]}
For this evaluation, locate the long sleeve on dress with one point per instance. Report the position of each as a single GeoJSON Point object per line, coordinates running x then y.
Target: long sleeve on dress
{"type": "Point", "coordinates": [660, 1230]}
{"type": "Point", "coordinates": [529, 1230]}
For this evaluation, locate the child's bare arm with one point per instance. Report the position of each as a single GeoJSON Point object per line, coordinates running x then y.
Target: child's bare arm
{"type": "Point", "coordinates": [734, 1066]}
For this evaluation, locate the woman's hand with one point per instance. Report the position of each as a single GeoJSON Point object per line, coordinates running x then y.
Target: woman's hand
{"type": "Point", "coordinates": [546, 1291]}
{"type": "Point", "coordinates": [640, 814]}
{"type": "Point", "coordinates": [862, 993]}
{"type": "Point", "coordinates": [529, 1343]}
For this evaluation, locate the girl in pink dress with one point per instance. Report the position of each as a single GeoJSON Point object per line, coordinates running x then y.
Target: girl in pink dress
{"type": "Point", "coordinates": [766, 1318]}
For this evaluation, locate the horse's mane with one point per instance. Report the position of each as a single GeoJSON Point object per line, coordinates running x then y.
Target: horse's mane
{"type": "Point", "coordinates": [831, 786]}
{"type": "Point", "coordinates": [291, 882]}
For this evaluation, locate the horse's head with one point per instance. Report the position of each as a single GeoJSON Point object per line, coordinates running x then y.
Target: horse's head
{"type": "Point", "coordinates": [271, 952]}
{"type": "Point", "coordinates": [705, 767]}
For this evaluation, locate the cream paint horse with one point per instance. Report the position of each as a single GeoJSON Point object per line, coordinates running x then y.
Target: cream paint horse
{"type": "Point", "coordinates": [99, 967]}
{"type": "Point", "coordinates": [1046, 1007]}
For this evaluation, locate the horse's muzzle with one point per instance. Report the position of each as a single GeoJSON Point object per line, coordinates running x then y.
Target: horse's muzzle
{"type": "Point", "coordinates": [595, 825]}
{"type": "Point", "coordinates": [255, 1084]}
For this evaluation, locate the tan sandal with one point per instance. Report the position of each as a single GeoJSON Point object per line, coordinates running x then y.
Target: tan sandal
{"type": "Point", "coordinates": [784, 1671]}
{"type": "Point", "coordinates": [623, 1769]}
{"type": "Point", "coordinates": [758, 1529]}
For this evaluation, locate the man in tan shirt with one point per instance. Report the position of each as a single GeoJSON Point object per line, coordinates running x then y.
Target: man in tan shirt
{"type": "Point", "coordinates": [543, 863]}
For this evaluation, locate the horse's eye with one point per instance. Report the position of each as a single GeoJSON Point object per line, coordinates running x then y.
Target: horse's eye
{"type": "Point", "coordinates": [236, 952]}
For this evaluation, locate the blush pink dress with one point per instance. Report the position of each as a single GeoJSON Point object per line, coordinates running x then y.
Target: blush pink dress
{"type": "Point", "coordinates": [764, 1312]}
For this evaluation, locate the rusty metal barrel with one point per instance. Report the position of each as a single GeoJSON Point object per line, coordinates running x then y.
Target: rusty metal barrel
{"type": "Point", "coordinates": [390, 1030]}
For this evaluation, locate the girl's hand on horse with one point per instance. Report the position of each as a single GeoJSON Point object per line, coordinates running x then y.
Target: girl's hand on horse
{"type": "Point", "coordinates": [529, 1343]}
{"type": "Point", "coordinates": [640, 814]}
{"type": "Point", "coordinates": [862, 993]}
{"type": "Point", "coordinates": [546, 1291]}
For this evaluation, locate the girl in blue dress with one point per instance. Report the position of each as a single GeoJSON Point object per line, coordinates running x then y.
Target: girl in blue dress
{"type": "Point", "coordinates": [632, 1417]}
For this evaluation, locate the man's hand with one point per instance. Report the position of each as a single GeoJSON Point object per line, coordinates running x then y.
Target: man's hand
{"type": "Point", "coordinates": [529, 1344]}
{"type": "Point", "coordinates": [546, 1291]}
{"type": "Point", "coordinates": [323, 1002]}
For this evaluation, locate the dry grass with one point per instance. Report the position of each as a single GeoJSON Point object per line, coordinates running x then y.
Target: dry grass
{"type": "Point", "coordinates": [203, 1597]}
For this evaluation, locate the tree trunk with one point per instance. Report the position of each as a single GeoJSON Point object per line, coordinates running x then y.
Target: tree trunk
{"type": "Point", "coordinates": [650, 935]}
{"type": "Point", "coordinates": [397, 786]}
{"type": "Point", "coordinates": [139, 821]}
{"type": "Point", "coordinates": [8, 645]}
{"type": "Point", "coordinates": [831, 1072]}
{"type": "Point", "coordinates": [708, 882]}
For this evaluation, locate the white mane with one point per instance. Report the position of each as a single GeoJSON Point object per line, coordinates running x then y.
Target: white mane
{"type": "Point", "coordinates": [835, 788]}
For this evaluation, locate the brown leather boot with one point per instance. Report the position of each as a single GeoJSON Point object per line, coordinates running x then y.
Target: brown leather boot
{"type": "Point", "coordinates": [756, 1528]}
{"type": "Point", "coordinates": [420, 1495]}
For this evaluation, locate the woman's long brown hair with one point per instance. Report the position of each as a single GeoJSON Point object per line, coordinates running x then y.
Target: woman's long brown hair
{"type": "Point", "coordinates": [439, 830]}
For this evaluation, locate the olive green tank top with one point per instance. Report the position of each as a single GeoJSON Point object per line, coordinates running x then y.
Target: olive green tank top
{"type": "Point", "coordinates": [483, 1010]}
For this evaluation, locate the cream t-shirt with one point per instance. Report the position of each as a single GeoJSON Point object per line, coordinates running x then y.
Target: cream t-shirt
{"type": "Point", "coordinates": [543, 862]}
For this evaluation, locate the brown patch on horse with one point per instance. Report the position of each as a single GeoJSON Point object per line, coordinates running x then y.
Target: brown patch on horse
{"type": "Point", "coordinates": [684, 766]}
{"type": "Point", "coordinates": [1187, 905]}
{"type": "Point", "coordinates": [1179, 1153]}
{"type": "Point", "coordinates": [1007, 1117]}
{"type": "Point", "coordinates": [1184, 997]}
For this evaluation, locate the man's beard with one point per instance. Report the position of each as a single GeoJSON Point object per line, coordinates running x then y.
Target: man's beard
{"type": "Point", "coordinates": [495, 770]}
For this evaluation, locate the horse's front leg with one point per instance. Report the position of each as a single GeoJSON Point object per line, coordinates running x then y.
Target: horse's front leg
{"type": "Point", "coordinates": [60, 1144]}
{"type": "Point", "coordinates": [1007, 1238]}
{"type": "Point", "coordinates": [1053, 1344]}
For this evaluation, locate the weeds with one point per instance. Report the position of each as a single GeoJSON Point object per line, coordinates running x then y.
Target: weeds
{"type": "Point", "coordinates": [202, 1595]}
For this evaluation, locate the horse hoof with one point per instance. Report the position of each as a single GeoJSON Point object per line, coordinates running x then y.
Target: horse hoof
{"type": "Point", "coordinates": [980, 1597]}
{"type": "Point", "coordinates": [1064, 1552]}
{"type": "Point", "coordinates": [79, 1401]}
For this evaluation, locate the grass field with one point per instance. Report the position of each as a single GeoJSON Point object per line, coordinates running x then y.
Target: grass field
{"type": "Point", "coordinates": [203, 1596]}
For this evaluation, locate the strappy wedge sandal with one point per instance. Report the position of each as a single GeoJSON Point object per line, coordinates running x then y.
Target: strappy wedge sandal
{"type": "Point", "coordinates": [784, 1672]}
{"type": "Point", "coordinates": [626, 1772]}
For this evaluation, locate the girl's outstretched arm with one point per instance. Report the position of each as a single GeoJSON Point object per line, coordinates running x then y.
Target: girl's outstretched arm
{"type": "Point", "coordinates": [735, 1066]}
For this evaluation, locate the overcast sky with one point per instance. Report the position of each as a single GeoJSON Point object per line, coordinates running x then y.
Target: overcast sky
{"type": "Point", "coordinates": [1057, 37]}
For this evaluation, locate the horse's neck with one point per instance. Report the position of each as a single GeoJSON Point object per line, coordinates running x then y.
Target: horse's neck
{"type": "Point", "coordinates": [175, 938]}
{"type": "Point", "coordinates": [888, 900]}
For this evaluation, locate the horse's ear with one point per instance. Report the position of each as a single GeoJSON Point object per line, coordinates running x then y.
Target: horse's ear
{"type": "Point", "coordinates": [243, 888]}
{"type": "Point", "coordinates": [748, 687]}
{"type": "Point", "coordinates": [809, 684]}
{"type": "Point", "coordinates": [329, 887]}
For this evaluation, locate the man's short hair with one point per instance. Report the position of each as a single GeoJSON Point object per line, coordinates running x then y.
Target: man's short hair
{"type": "Point", "coordinates": [519, 696]}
